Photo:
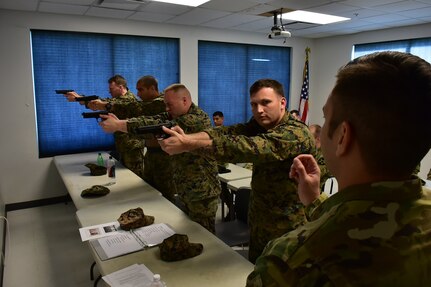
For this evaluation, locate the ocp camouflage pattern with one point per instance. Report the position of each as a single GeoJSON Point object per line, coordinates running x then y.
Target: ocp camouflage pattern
{"type": "Point", "coordinates": [375, 234]}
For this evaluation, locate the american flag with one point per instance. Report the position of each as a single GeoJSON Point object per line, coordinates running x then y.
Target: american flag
{"type": "Point", "coordinates": [303, 102]}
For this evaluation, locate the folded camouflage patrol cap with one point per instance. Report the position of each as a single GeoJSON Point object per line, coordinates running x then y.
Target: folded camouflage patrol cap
{"type": "Point", "coordinates": [134, 218]}
{"type": "Point", "coordinates": [96, 169]}
{"type": "Point", "coordinates": [177, 247]}
{"type": "Point", "coordinates": [95, 191]}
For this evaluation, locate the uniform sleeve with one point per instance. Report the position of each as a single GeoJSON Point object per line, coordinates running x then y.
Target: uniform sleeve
{"type": "Point", "coordinates": [275, 145]}
{"type": "Point", "coordinates": [274, 270]}
{"type": "Point", "coordinates": [133, 123]}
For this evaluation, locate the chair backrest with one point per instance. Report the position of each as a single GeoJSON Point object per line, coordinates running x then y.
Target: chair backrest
{"type": "Point", "coordinates": [242, 197]}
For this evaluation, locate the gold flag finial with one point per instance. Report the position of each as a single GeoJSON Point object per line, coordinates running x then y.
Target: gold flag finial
{"type": "Point", "coordinates": [307, 51]}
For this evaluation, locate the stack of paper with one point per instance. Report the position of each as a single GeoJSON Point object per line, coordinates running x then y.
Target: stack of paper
{"type": "Point", "coordinates": [136, 275]}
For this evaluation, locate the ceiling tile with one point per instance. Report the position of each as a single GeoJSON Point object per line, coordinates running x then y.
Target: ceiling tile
{"type": "Point", "coordinates": [424, 12]}
{"type": "Point", "coordinates": [333, 8]}
{"type": "Point", "coordinates": [74, 2]}
{"type": "Point", "coordinates": [368, 3]}
{"type": "Point", "coordinates": [119, 5]}
{"type": "Point", "coordinates": [26, 5]}
{"type": "Point", "coordinates": [110, 13]}
{"type": "Point", "coordinates": [388, 18]}
{"type": "Point", "coordinates": [164, 8]}
{"type": "Point", "coordinates": [62, 8]}
{"type": "Point", "coordinates": [229, 5]}
{"type": "Point", "coordinates": [401, 6]}
{"type": "Point", "coordinates": [197, 16]}
{"type": "Point", "coordinates": [231, 21]}
{"type": "Point", "coordinates": [151, 17]}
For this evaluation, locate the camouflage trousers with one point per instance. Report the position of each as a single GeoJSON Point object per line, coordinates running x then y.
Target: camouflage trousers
{"type": "Point", "coordinates": [158, 172]}
{"type": "Point", "coordinates": [133, 160]}
{"type": "Point", "coordinates": [202, 211]}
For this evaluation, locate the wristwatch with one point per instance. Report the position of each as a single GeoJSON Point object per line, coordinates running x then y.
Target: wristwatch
{"type": "Point", "coordinates": [108, 107]}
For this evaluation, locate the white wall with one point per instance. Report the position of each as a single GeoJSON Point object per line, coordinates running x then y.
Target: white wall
{"type": "Point", "coordinates": [25, 177]}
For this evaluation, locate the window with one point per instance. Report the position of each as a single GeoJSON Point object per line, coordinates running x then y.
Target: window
{"type": "Point", "coordinates": [84, 62]}
{"type": "Point", "coordinates": [418, 47]}
{"type": "Point", "coordinates": [226, 72]}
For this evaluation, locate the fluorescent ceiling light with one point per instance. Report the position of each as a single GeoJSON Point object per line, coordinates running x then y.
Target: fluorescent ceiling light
{"type": "Point", "coordinates": [193, 3]}
{"type": "Point", "coordinates": [311, 17]}
{"type": "Point", "coordinates": [261, 60]}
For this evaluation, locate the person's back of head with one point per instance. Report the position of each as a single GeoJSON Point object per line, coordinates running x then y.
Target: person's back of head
{"type": "Point", "coordinates": [385, 98]}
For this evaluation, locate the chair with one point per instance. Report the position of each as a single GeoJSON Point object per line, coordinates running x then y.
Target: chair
{"type": "Point", "coordinates": [236, 232]}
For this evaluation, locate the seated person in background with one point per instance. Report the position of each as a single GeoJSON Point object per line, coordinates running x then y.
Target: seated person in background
{"type": "Point", "coordinates": [218, 118]}
{"type": "Point", "coordinates": [376, 231]}
{"type": "Point", "coordinates": [295, 114]}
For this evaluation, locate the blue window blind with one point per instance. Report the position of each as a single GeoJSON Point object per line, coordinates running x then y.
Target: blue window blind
{"type": "Point", "coordinates": [419, 47]}
{"type": "Point", "coordinates": [84, 62]}
{"type": "Point", "coordinates": [227, 70]}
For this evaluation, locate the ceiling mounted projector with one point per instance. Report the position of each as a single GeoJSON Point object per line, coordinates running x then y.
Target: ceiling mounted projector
{"type": "Point", "coordinates": [278, 33]}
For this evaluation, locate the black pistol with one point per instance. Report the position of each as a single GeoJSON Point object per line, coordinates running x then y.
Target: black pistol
{"type": "Point", "coordinates": [155, 130]}
{"type": "Point", "coordinates": [86, 99]}
{"type": "Point", "coordinates": [94, 115]}
{"type": "Point", "coordinates": [63, 91]}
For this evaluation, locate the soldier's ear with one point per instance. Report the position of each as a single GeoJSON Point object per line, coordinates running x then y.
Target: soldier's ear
{"type": "Point", "coordinates": [344, 138]}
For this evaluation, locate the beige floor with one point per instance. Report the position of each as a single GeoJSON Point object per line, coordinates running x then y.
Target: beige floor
{"type": "Point", "coordinates": [45, 249]}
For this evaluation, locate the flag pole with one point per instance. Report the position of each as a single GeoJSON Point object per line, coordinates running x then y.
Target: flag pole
{"type": "Point", "coordinates": [304, 97]}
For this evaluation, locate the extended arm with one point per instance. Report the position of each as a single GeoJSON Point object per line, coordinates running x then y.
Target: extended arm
{"type": "Point", "coordinates": [179, 142]}
{"type": "Point", "coordinates": [111, 124]}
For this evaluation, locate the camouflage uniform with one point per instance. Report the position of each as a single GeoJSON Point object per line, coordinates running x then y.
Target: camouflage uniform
{"type": "Point", "coordinates": [324, 172]}
{"type": "Point", "coordinates": [128, 147]}
{"type": "Point", "coordinates": [365, 235]}
{"type": "Point", "coordinates": [157, 165]}
{"type": "Point", "coordinates": [274, 204]}
{"type": "Point", "coordinates": [194, 176]}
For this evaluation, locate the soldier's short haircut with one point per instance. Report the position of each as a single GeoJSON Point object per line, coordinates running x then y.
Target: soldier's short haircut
{"type": "Point", "coordinates": [218, 113]}
{"type": "Point", "coordinates": [386, 97]}
{"type": "Point", "coordinates": [178, 88]}
{"type": "Point", "coordinates": [267, 83]}
{"type": "Point", "coordinates": [119, 80]}
{"type": "Point", "coordinates": [149, 81]}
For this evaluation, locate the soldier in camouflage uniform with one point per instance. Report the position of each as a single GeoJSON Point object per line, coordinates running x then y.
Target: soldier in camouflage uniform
{"type": "Point", "coordinates": [270, 140]}
{"type": "Point", "coordinates": [157, 166]}
{"type": "Point", "coordinates": [194, 176]}
{"type": "Point", "coordinates": [129, 149]}
{"type": "Point", "coordinates": [376, 230]}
